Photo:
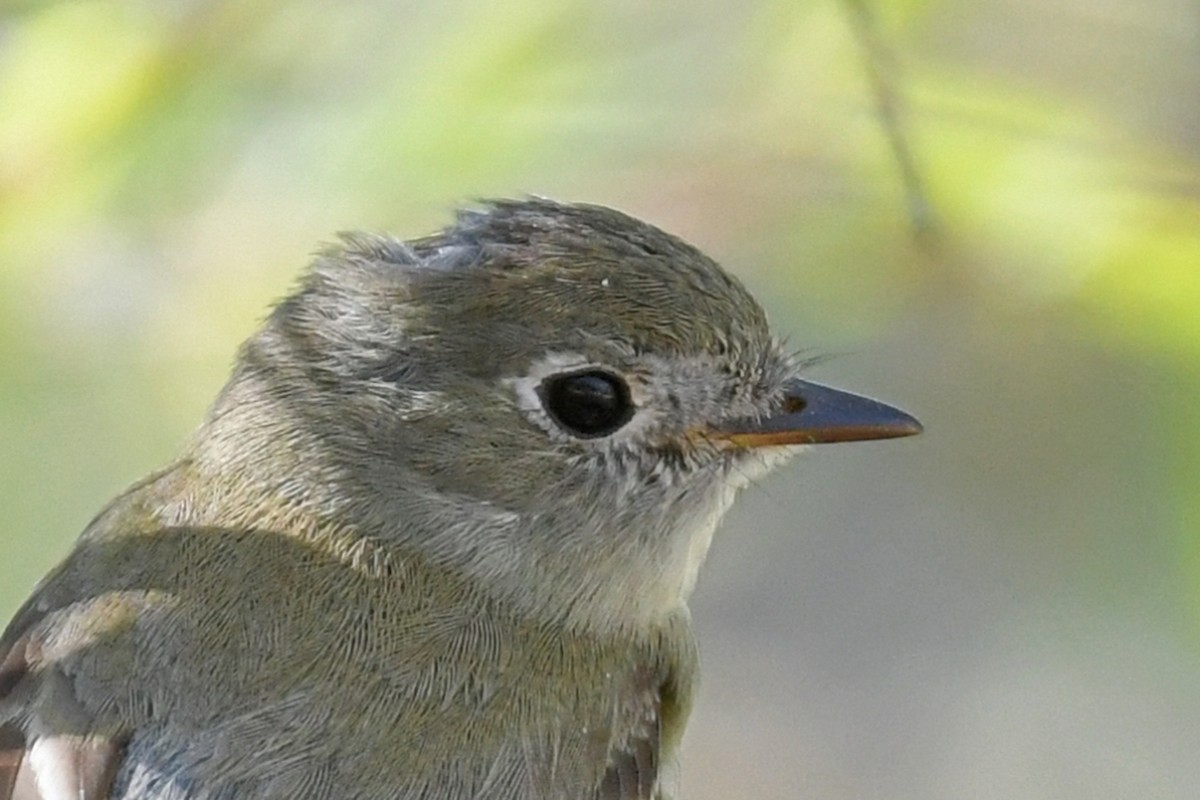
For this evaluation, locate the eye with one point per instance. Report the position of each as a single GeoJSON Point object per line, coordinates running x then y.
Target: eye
{"type": "Point", "coordinates": [587, 404]}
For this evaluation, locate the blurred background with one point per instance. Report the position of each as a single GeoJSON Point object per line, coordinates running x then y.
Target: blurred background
{"type": "Point", "coordinates": [1006, 607]}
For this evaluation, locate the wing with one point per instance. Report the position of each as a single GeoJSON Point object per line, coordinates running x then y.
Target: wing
{"type": "Point", "coordinates": [645, 765]}
{"type": "Point", "coordinates": [633, 773]}
{"type": "Point", "coordinates": [49, 748]}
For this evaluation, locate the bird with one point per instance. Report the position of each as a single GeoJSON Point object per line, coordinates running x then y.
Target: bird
{"type": "Point", "coordinates": [435, 537]}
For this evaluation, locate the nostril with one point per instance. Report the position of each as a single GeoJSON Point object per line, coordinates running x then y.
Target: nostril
{"type": "Point", "coordinates": [794, 404]}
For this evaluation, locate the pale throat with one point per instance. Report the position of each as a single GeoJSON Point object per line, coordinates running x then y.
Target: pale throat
{"type": "Point", "coordinates": [690, 545]}
{"type": "Point", "coordinates": [649, 578]}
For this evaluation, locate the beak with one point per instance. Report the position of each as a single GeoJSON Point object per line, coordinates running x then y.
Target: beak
{"type": "Point", "coordinates": [816, 414]}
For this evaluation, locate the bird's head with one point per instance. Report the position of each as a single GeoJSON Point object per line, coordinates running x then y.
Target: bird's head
{"type": "Point", "coordinates": [560, 400]}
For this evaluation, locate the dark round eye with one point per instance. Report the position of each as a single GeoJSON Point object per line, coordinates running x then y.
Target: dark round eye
{"type": "Point", "coordinates": [587, 404]}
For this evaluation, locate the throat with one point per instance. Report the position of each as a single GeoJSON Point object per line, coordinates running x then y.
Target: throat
{"type": "Point", "coordinates": [611, 575]}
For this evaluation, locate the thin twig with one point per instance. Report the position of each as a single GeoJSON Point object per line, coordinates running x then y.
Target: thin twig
{"type": "Point", "coordinates": [881, 71]}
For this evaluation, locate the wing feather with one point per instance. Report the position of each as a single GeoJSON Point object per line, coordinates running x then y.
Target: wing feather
{"type": "Point", "coordinates": [633, 769]}
{"type": "Point", "coordinates": [69, 765]}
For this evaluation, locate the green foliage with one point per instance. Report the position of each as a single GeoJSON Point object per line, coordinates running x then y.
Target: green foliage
{"type": "Point", "coordinates": [166, 168]}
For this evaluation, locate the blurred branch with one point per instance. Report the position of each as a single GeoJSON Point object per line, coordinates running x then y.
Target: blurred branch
{"type": "Point", "coordinates": [882, 71]}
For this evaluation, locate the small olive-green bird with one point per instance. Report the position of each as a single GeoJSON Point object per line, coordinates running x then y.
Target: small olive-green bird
{"type": "Point", "coordinates": [435, 538]}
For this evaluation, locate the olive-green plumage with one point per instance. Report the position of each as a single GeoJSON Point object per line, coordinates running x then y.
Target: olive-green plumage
{"type": "Point", "coordinates": [435, 539]}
